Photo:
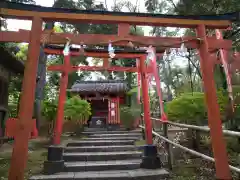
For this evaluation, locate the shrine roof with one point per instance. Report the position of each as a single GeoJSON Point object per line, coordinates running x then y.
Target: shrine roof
{"type": "Point", "coordinates": [10, 62]}
{"type": "Point", "coordinates": [105, 86]}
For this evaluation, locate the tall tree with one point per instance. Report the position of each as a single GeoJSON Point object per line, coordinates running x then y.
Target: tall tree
{"type": "Point", "coordinates": [23, 1]}
{"type": "Point", "coordinates": [204, 7]}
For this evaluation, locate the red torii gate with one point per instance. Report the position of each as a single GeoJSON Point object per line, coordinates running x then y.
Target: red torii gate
{"type": "Point", "coordinates": [34, 37]}
{"type": "Point", "coordinates": [65, 68]}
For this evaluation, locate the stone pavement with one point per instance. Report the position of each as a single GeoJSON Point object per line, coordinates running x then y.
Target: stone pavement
{"type": "Point", "coordinates": [105, 155]}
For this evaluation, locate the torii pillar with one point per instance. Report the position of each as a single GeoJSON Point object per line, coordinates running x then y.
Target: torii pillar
{"type": "Point", "coordinates": [150, 157]}
{"type": "Point", "coordinates": [25, 122]}
{"type": "Point", "coordinates": [214, 119]}
{"type": "Point", "coordinates": [61, 100]}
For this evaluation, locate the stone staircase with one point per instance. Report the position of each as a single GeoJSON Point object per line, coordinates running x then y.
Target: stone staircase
{"type": "Point", "coordinates": [105, 155]}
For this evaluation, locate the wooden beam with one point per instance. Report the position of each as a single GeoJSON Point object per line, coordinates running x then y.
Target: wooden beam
{"type": "Point", "coordinates": [93, 68]}
{"type": "Point", "coordinates": [94, 54]}
{"type": "Point", "coordinates": [110, 17]}
{"type": "Point", "coordinates": [100, 39]}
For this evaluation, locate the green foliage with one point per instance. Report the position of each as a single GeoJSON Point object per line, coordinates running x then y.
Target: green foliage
{"type": "Point", "coordinates": [136, 31]}
{"type": "Point", "coordinates": [13, 104]}
{"type": "Point", "coordinates": [222, 101]}
{"type": "Point", "coordinates": [128, 115]}
{"type": "Point", "coordinates": [77, 109]}
{"type": "Point", "coordinates": [22, 54]}
{"type": "Point", "coordinates": [132, 91]}
{"type": "Point", "coordinates": [12, 109]}
{"type": "Point", "coordinates": [234, 121]}
{"type": "Point", "coordinates": [187, 108]}
{"type": "Point", "coordinates": [49, 110]}
{"type": "Point", "coordinates": [191, 109]}
{"type": "Point", "coordinates": [23, 1]}
{"type": "Point", "coordinates": [57, 29]}
{"type": "Point", "coordinates": [201, 7]}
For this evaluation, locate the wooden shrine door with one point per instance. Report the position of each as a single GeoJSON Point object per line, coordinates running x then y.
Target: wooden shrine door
{"type": "Point", "coordinates": [113, 111]}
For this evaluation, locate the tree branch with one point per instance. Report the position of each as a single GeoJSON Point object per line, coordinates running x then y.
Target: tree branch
{"type": "Point", "coordinates": [106, 4]}
{"type": "Point", "coordinates": [196, 67]}
{"type": "Point", "coordinates": [232, 34]}
{"type": "Point", "coordinates": [174, 5]}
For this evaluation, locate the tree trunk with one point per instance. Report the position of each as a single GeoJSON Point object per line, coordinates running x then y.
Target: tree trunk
{"type": "Point", "coordinates": [224, 80]}
{"type": "Point", "coordinates": [41, 81]}
{"type": "Point", "coordinates": [167, 74]}
{"type": "Point", "coordinates": [190, 75]}
{"type": "Point", "coordinates": [196, 140]}
{"type": "Point", "coordinates": [129, 83]}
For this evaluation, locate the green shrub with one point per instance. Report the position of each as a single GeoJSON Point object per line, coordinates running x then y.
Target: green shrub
{"type": "Point", "coordinates": [191, 109]}
{"type": "Point", "coordinates": [188, 108]}
{"type": "Point", "coordinates": [13, 108]}
{"type": "Point", "coordinates": [13, 105]}
{"type": "Point", "coordinates": [128, 115]}
{"type": "Point", "coordinates": [77, 109]}
{"type": "Point", "coordinates": [223, 101]}
{"type": "Point", "coordinates": [49, 110]}
{"type": "Point", "coordinates": [49, 113]}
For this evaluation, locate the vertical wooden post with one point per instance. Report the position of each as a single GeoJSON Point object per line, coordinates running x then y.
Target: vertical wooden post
{"type": "Point", "coordinates": [61, 101]}
{"type": "Point", "coordinates": [214, 121]}
{"type": "Point", "coordinates": [118, 111]}
{"type": "Point", "coordinates": [106, 63]}
{"type": "Point", "coordinates": [167, 145]}
{"type": "Point", "coordinates": [109, 112]}
{"type": "Point", "coordinates": [123, 29]}
{"type": "Point", "coordinates": [145, 99]}
{"type": "Point", "coordinates": [24, 124]}
{"type": "Point", "coordinates": [142, 119]}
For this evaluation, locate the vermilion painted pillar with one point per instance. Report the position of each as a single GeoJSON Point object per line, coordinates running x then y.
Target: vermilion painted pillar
{"type": "Point", "coordinates": [145, 98]}
{"type": "Point", "coordinates": [214, 121]}
{"type": "Point", "coordinates": [25, 122]}
{"type": "Point", "coordinates": [61, 101]}
{"type": "Point", "coordinates": [123, 29]}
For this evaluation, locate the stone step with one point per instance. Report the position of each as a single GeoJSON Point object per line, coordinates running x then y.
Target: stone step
{"type": "Point", "coordinates": [101, 148]}
{"type": "Point", "coordinates": [141, 174]}
{"type": "Point", "coordinates": [95, 129]}
{"type": "Point", "coordinates": [117, 135]}
{"type": "Point", "coordinates": [102, 165]}
{"type": "Point", "coordinates": [111, 132]}
{"type": "Point", "coordinates": [101, 156]}
{"type": "Point", "coordinates": [108, 129]}
{"type": "Point", "coordinates": [101, 143]}
{"type": "Point", "coordinates": [109, 138]}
